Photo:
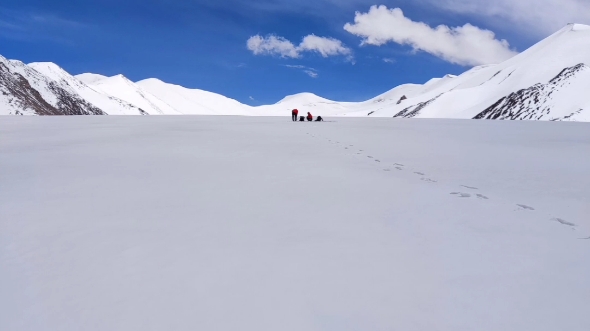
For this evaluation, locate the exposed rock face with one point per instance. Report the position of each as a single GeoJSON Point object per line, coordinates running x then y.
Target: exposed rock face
{"type": "Point", "coordinates": [21, 96]}
{"type": "Point", "coordinates": [25, 91]}
{"type": "Point", "coordinates": [414, 110]}
{"type": "Point", "coordinates": [402, 99]}
{"type": "Point", "coordinates": [537, 101]}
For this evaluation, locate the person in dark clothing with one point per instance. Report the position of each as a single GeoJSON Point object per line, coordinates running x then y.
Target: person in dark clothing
{"type": "Point", "coordinates": [319, 119]}
{"type": "Point", "coordinates": [309, 117]}
{"type": "Point", "coordinates": [294, 114]}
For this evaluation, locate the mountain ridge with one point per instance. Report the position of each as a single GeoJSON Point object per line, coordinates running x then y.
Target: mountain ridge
{"type": "Point", "coordinates": [522, 87]}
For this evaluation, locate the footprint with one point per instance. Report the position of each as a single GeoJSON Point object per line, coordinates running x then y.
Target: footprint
{"type": "Point", "coordinates": [398, 164]}
{"type": "Point", "coordinates": [345, 147]}
{"type": "Point", "coordinates": [429, 180]}
{"type": "Point", "coordinates": [564, 222]}
{"type": "Point", "coordinates": [481, 196]}
{"type": "Point", "coordinates": [526, 207]}
{"type": "Point", "coordinates": [386, 169]}
{"type": "Point", "coordinates": [350, 145]}
{"type": "Point", "coordinates": [419, 173]}
{"type": "Point", "coordinates": [470, 187]}
{"type": "Point", "coordinates": [370, 157]}
{"type": "Point", "coordinates": [462, 195]}
{"type": "Point", "coordinates": [377, 161]}
{"type": "Point", "coordinates": [585, 238]}
{"type": "Point", "coordinates": [398, 168]}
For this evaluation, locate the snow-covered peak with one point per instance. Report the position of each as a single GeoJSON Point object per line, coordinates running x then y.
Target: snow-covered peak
{"type": "Point", "coordinates": [117, 79]}
{"type": "Point", "coordinates": [49, 65]}
{"type": "Point", "coordinates": [122, 88]}
{"type": "Point", "coordinates": [193, 101]}
{"type": "Point", "coordinates": [17, 62]}
{"type": "Point", "coordinates": [303, 98]}
{"type": "Point", "coordinates": [579, 27]}
{"type": "Point", "coordinates": [51, 70]}
{"type": "Point", "coordinates": [152, 81]}
{"type": "Point", "coordinates": [89, 78]}
{"type": "Point", "coordinates": [434, 81]}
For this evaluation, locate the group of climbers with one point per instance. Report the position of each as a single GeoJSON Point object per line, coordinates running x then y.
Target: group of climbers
{"type": "Point", "coordinates": [295, 114]}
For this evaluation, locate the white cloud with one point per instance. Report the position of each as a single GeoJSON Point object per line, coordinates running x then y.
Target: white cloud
{"type": "Point", "coordinates": [272, 45]}
{"type": "Point", "coordinates": [539, 16]}
{"type": "Point", "coordinates": [311, 72]}
{"type": "Point", "coordinates": [296, 66]}
{"type": "Point", "coordinates": [275, 45]}
{"type": "Point", "coordinates": [252, 98]}
{"type": "Point", "coordinates": [325, 46]}
{"type": "Point", "coordinates": [466, 45]}
{"type": "Point", "coordinates": [389, 60]}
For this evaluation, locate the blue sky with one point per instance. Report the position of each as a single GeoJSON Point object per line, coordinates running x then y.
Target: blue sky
{"type": "Point", "coordinates": [203, 43]}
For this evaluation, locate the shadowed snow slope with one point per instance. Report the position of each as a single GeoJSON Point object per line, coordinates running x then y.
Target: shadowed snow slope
{"type": "Point", "coordinates": [237, 223]}
{"type": "Point", "coordinates": [549, 82]}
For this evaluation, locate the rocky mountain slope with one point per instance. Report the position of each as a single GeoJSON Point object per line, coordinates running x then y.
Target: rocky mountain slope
{"type": "Point", "coordinates": [25, 91]}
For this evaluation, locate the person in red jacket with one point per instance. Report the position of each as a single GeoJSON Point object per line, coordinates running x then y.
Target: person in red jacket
{"type": "Point", "coordinates": [309, 117]}
{"type": "Point", "coordinates": [294, 114]}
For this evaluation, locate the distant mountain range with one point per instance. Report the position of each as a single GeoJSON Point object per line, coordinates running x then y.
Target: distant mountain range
{"type": "Point", "coordinates": [549, 81]}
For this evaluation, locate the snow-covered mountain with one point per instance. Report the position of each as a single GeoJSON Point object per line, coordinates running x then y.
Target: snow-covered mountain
{"type": "Point", "coordinates": [241, 223]}
{"type": "Point", "coordinates": [549, 81]}
{"type": "Point", "coordinates": [105, 101]}
{"type": "Point", "coordinates": [26, 91]}
{"type": "Point", "coordinates": [193, 102]}
{"type": "Point", "coordinates": [121, 87]}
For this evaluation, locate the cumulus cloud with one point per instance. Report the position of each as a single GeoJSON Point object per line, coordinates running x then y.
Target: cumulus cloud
{"type": "Point", "coordinates": [465, 45]}
{"type": "Point", "coordinates": [272, 45]}
{"type": "Point", "coordinates": [539, 16]}
{"type": "Point", "coordinates": [325, 46]}
{"type": "Point", "coordinates": [279, 46]}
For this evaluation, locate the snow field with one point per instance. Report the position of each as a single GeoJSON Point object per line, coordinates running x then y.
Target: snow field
{"type": "Point", "coordinates": [225, 223]}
